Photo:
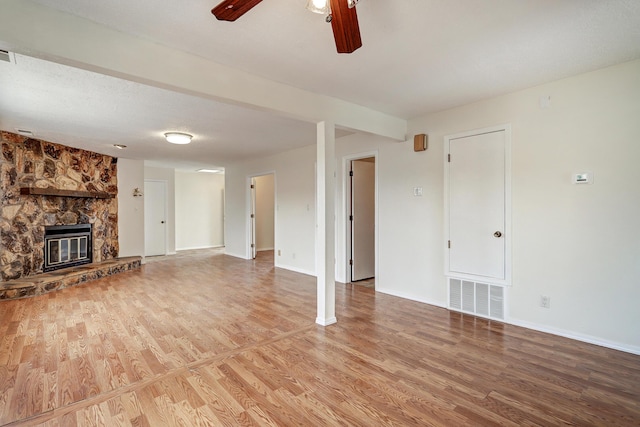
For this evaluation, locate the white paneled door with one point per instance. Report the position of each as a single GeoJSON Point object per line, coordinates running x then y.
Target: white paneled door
{"type": "Point", "coordinates": [477, 205]}
{"type": "Point", "coordinates": [155, 221]}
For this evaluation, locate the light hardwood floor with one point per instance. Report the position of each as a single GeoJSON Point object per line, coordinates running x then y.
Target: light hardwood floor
{"type": "Point", "coordinates": [207, 339]}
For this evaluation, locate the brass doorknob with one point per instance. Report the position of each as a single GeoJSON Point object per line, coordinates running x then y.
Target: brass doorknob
{"type": "Point", "coordinates": [497, 234]}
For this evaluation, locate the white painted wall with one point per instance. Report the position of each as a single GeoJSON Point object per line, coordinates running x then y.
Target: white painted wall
{"type": "Point", "coordinates": [410, 229]}
{"type": "Point", "coordinates": [168, 175]}
{"type": "Point", "coordinates": [199, 199]}
{"type": "Point", "coordinates": [265, 207]}
{"type": "Point", "coordinates": [578, 244]}
{"type": "Point", "coordinates": [130, 209]}
{"type": "Point", "coordinates": [294, 213]}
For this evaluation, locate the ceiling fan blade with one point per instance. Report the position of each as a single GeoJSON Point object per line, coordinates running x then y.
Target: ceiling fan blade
{"type": "Point", "coordinates": [230, 10]}
{"type": "Point", "coordinates": [346, 31]}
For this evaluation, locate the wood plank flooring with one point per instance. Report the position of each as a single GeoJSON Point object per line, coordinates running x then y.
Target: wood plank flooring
{"type": "Point", "coordinates": [208, 340]}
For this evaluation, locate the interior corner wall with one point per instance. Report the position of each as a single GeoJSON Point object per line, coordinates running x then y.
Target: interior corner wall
{"type": "Point", "coordinates": [265, 209]}
{"type": "Point", "coordinates": [199, 199]}
{"type": "Point", "coordinates": [577, 244]}
{"type": "Point", "coordinates": [295, 220]}
{"type": "Point", "coordinates": [410, 229]}
{"type": "Point", "coordinates": [130, 209]}
{"type": "Point", "coordinates": [168, 175]}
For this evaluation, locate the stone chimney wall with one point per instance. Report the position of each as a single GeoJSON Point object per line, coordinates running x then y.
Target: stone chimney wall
{"type": "Point", "coordinates": [28, 162]}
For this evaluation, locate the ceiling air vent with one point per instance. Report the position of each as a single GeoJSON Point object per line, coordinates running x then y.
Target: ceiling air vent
{"type": "Point", "coordinates": [5, 56]}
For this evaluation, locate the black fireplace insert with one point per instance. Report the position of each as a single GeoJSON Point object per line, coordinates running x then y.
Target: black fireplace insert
{"type": "Point", "coordinates": [67, 246]}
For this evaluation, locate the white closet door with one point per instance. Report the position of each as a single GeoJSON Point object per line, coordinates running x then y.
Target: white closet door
{"type": "Point", "coordinates": [477, 205]}
{"type": "Point", "coordinates": [155, 223]}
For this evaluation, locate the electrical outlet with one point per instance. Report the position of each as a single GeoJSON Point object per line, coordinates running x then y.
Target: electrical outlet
{"type": "Point", "coordinates": [545, 301]}
{"type": "Point", "coordinates": [293, 255]}
{"type": "Point", "coordinates": [279, 253]}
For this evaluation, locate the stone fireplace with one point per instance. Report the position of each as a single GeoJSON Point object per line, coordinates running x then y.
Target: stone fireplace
{"type": "Point", "coordinates": [44, 185]}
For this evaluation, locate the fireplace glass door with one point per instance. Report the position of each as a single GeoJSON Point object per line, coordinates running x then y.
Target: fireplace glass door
{"type": "Point", "coordinates": [67, 246]}
{"type": "Point", "coordinates": [67, 250]}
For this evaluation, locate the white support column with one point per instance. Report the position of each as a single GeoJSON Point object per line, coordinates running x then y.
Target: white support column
{"type": "Point", "coordinates": [325, 206]}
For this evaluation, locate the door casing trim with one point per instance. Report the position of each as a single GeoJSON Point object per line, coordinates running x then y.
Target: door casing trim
{"type": "Point", "coordinates": [346, 192]}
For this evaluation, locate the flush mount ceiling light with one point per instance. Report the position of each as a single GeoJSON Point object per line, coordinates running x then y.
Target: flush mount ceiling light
{"type": "Point", "coordinates": [120, 146]}
{"type": "Point", "coordinates": [209, 170]}
{"type": "Point", "coordinates": [178, 137]}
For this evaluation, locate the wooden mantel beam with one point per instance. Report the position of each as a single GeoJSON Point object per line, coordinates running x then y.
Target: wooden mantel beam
{"type": "Point", "coordinates": [33, 191]}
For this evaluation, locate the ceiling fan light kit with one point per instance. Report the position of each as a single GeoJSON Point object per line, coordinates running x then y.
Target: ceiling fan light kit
{"type": "Point", "coordinates": [346, 30]}
{"type": "Point", "coordinates": [230, 10]}
{"type": "Point", "coordinates": [340, 13]}
{"type": "Point", "coordinates": [318, 6]}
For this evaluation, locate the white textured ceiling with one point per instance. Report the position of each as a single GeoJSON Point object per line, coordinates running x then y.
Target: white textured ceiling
{"type": "Point", "coordinates": [93, 111]}
{"type": "Point", "coordinates": [418, 56]}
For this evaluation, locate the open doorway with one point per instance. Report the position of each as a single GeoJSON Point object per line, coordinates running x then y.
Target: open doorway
{"type": "Point", "coordinates": [362, 221]}
{"type": "Point", "coordinates": [263, 217]}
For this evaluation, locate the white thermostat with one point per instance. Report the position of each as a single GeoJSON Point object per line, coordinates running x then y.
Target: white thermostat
{"type": "Point", "coordinates": [583, 178]}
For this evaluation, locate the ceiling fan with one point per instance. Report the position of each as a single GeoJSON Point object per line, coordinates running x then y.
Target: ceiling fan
{"type": "Point", "coordinates": [341, 14]}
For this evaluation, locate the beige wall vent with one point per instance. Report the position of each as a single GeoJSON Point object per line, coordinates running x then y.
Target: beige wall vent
{"type": "Point", "coordinates": [480, 299]}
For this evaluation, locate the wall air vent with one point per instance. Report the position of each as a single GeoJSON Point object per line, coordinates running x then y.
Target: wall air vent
{"type": "Point", "coordinates": [24, 132]}
{"type": "Point", "coordinates": [5, 56]}
{"type": "Point", "coordinates": [480, 299]}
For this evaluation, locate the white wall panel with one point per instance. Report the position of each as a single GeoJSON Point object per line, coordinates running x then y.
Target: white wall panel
{"type": "Point", "coordinates": [130, 209]}
{"type": "Point", "coordinates": [199, 210]}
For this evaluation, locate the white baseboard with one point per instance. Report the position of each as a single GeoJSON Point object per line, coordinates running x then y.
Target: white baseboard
{"type": "Point", "coordinates": [264, 249]}
{"type": "Point", "coordinates": [296, 269]}
{"type": "Point", "coordinates": [190, 248]}
{"type": "Point", "coordinates": [516, 322]}
{"type": "Point", "coordinates": [576, 336]}
{"type": "Point", "coordinates": [326, 322]}
{"type": "Point", "coordinates": [410, 297]}
{"type": "Point", "coordinates": [241, 256]}
{"type": "Point", "coordinates": [533, 326]}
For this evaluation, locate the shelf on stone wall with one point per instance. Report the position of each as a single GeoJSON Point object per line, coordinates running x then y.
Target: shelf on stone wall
{"type": "Point", "coordinates": [33, 191]}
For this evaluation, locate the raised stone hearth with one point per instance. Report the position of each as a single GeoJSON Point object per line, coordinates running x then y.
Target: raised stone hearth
{"type": "Point", "coordinates": [60, 279]}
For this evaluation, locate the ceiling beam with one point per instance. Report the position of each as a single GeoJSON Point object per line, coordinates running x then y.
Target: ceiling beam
{"type": "Point", "coordinates": [34, 30]}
